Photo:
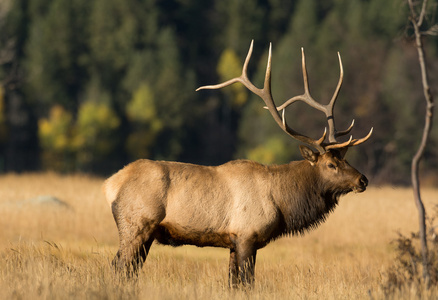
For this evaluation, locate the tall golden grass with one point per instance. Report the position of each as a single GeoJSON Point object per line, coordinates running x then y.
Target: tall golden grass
{"type": "Point", "coordinates": [49, 252]}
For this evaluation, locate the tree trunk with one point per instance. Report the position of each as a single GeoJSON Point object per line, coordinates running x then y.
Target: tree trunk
{"type": "Point", "coordinates": [417, 22]}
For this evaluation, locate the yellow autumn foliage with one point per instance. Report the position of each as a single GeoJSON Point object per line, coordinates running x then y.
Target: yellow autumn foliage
{"type": "Point", "coordinates": [96, 122]}
{"type": "Point", "coordinates": [65, 142]}
{"type": "Point", "coordinates": [273, 151]}
{"type": "Point", "coordinates": [55, 132]}
{"type": "Point", "coordinates": [229, 66]}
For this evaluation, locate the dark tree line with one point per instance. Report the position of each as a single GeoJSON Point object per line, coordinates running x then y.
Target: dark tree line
{"type": "Point", "coordinates": [91, 85]}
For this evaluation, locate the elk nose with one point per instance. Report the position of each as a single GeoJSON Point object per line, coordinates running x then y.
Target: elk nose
{"type": "Point", "coordinates": [363, 181]}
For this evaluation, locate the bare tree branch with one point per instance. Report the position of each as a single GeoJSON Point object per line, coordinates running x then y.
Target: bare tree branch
{"type": "Point", "coordinates": [433, 31]}
{"type": "Point", "coordinates": [422, 13]}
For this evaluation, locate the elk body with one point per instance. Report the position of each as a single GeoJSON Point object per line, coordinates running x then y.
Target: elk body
{"type": "Point", "coordinates": [241, 205]}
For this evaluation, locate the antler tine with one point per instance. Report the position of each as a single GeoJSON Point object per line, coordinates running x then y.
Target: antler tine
{"type": "Point", "coordinates": [340, 145]}
{"type": "Point", "coordinates": [283, 119]}
{"type": "Point", "coordinates": [243, 78]}
{"type": "Point", "coordinates": [321, 140]}
{"type": "Point", "coordinates": [362, 140]}
{"type": "Point", "coordinates": [350, 143]}
{"type": "Point", "coordinates": [303, 66]}
{"type": "Point", "coordinates": [218, 86]}
{"type": "Point", "coordinates": [267, 84]}
{"type": "Point", "coordinates": [329, 113]}
{"type": "Point", "coordinates": [266, 92]}
{"type": "Point", "coordinates": [346, 131]}
{"type": "Point", "coordinates": [341, 79]}
{"type": "Point", "coordinates": [306, 97]}
{"type": "Point", "coordinates": [244, 75]}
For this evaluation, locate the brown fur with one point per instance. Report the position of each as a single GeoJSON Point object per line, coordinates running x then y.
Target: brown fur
{"type": "Point", "coordinates": [241, 205]}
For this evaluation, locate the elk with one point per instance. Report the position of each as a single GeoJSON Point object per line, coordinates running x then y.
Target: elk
{"type": "Point", "coordinates": [241, 205]}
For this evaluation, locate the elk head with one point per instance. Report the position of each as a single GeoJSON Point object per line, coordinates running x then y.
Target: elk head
{"type": "Point", "coordinates": [329, 155]}
{"type": "Point", "coordinates": [336, 173]}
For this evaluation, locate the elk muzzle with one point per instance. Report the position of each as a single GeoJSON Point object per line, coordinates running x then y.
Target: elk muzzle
{"type": "Point", "coordinates": [361, 185]}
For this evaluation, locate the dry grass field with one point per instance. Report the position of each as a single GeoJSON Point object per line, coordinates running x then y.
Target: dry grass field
{"type": "Point", "coordinates": [48, 251]}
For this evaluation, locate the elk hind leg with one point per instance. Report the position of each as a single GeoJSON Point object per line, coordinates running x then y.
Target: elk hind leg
{"type": "Point", "coordinates": [134, 247]}
{"type": "Point", "coordinates": [136, 233]}
{"type": "Point", "coordinates": [129, 259]}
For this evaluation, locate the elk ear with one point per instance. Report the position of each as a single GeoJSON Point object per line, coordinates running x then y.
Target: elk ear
{"type": "Point", "coordinates": [308, 154]}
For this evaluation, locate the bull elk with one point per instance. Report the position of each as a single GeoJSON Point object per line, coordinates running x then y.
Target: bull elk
{"type": "Point", "coordinates": [241, 205]}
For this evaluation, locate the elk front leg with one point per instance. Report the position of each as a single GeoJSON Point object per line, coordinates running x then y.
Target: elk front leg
{"type": "Point", "coordinates": [246, 261]}
{"type": "Point", "coordinates": [242, 264]}
{"type": "Point", "coordinates": [233, 276]}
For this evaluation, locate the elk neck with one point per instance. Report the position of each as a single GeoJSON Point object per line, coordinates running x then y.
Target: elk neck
{"type": "Point", "coordinates": [302, 196]}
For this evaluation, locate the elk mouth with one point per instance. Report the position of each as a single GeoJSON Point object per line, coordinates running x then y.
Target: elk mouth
{"type": "Point", "coordinates": [361, 186]}
{"type": "Point", "coordinates": [359, 189]}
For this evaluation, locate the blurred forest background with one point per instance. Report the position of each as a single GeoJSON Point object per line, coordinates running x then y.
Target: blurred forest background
{"type": "Point", "coordinates": [88, 86]}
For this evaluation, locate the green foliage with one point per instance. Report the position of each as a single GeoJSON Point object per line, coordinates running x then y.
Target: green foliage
{"type": "Point", "coordinates": [400, 111]}
{"type": "Point", "coordinates": [384, 18]}
{"type": "Point", "coordinates": [304, 23]}
{"type": "Point", "coordinates": [113, 38]}
{"type": "Point", "coordinates": [242, 20]}
{"type": "Point", "coordinates": [3, 125]}
{"type": "Point", "coordinates": [303, 27]}
{"type": "Point", "coordinates": [56, 67]}
{"type": "Point", "coordinates": [141, 111]}
{"type": "Point", "coordinates": [124, 73]}
{"type": "Point", "coordinates": [257, 126]}
{"type": "Point", "coordinates": [261, 139]}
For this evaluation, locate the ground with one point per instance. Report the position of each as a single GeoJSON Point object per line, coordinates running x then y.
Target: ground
{"type": "Point", "coordinates": [57, 251]}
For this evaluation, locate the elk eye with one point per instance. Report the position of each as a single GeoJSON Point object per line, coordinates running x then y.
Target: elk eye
{"type": "Point", "coordinates": [331, 166]}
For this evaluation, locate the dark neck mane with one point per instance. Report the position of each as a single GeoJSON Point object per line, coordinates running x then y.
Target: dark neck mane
{"type": "Point", "coordinates": [304, 201]}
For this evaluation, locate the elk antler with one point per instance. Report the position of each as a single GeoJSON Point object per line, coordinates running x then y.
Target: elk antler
{"type": "Point", "coordinates": [266, 96]}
